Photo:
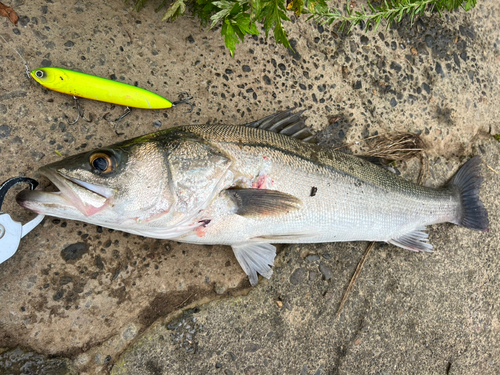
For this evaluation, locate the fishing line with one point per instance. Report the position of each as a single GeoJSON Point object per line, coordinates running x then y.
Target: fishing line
{"type": "Point", "coordinates": [23, 60]}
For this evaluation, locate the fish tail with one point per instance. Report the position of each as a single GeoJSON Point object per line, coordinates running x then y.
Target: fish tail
{"type": "Point", "coordinates": [466, 182]}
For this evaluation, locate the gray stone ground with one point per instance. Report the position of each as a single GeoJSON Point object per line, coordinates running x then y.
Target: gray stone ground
{"type": "Point", "coordinates": [81, 299]}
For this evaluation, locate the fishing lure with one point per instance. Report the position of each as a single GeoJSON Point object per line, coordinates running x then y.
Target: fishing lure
{"type": "Point", "coordinates": [82, 85]}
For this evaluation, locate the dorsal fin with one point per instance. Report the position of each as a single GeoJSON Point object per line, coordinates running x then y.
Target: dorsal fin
{"type": "Point", "coordinates": [287, 123]}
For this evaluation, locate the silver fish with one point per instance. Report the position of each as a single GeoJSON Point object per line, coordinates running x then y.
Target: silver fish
{"type": "Point", "coordinates": [251, 186]}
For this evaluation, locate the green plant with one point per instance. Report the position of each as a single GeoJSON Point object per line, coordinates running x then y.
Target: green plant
{"type": "Point", "coordinates": [390, 10]}
{"type": "Point", "coordinates": [241, 17]}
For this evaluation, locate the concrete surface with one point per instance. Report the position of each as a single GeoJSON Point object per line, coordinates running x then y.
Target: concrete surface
{"type": "Point", "coordinates": [94, 301]}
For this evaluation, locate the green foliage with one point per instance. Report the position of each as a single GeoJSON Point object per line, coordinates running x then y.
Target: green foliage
{"type": "Point", "coordinates": [238, 18]}
{"type": "Point", "coordinates": [390, 10]}
{"type": "Point", "coordinates": [497, 137]}
{"type": "Point", "coordinates": [176, 9]}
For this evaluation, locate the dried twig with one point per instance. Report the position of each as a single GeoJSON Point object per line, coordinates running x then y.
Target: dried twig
{"type": "Point", "coordinates": [183, 302]}
{"type": "Point", "coordinates": [398, 146]}
{"type": "Point", "coordinates": [424, 169]}
{"type": "Point", "coordinates": [491, 169]}
{"type": "Point", "coordinates": [354, 278]}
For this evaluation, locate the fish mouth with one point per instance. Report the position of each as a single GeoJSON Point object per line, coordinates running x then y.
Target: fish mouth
{"type": "Point", "coordinates": [74, 198]}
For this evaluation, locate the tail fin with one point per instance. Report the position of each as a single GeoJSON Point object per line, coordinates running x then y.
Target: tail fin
{"type": "Point", "coordinates": [467, 182]}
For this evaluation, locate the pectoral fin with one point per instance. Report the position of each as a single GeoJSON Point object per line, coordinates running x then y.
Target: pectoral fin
{"type": "Point", "coordinates": [414, 241]}
{"type": "Point", "coordinates": [263, 202]}
{"type": "Point", "coordinates": [255, 258]}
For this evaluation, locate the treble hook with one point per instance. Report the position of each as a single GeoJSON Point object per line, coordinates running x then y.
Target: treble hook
{"type": "Point", "coordinates": [126, 113]}
{"type": "Point", "coordinates": [81, 113]}
{"type": "Point", "coordinates": [184, 101]}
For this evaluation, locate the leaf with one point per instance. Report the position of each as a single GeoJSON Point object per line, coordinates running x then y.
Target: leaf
{"type": "Point", "coordinates": [175, 10]}
{"type": "Point", "coordinates": [297, 6]}
{"type": "Point", "coordinates": [8, 12]}
{"type": "Point", "coordinates": [255, 9]}
{"type": "Point", "coordinates": [280, 35]}
{"type": "Point", "coordinates": [242, 20]}
{"type": "Point", "coordinates": [225, 7]}
{"type": "Point", "coordinates": [230, 37]}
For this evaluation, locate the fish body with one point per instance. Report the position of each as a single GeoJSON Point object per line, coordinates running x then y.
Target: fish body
{"type": "Point", "coordinates": [248, 188]}
{"type": "Point", "coordinates": [96, 88]}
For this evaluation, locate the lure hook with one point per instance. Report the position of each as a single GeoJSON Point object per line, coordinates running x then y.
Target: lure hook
{"type": "Point", "coordinates": [126, 113]}
{"type": "Point", "coordinates": [184, 101]}
{"type": "Point", "coordinates": [81, 113]}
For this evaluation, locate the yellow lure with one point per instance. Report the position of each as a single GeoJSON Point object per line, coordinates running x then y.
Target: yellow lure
{"type": "Point", "coordinates": [96, 88]}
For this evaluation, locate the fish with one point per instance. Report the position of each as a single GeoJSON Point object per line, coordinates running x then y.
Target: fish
{"type": "Point", "coordinates": [250, 187]}
{"type": "Point", "coordinates": [87, 86]}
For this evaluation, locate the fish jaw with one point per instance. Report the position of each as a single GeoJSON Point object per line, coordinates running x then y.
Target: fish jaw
{"type": "Point", "coordinates": [75, 199]}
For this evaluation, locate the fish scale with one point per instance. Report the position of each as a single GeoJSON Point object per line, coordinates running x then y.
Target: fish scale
{"type": "Point", "coordinates": [340, 210]}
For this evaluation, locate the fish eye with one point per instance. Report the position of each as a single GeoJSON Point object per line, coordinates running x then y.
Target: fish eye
{"type": "Point", "coordinates": [39, 74]}
{"type": "Point", "coordinates": [102, 162]}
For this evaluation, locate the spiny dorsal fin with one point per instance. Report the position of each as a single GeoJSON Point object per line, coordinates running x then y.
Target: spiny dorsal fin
{"type": "Point", "coordinates": [414, 241]}
{"type": "Point", "coordinates": [287, 123]}
{"type": "Point", "coordinates": [263, 202]}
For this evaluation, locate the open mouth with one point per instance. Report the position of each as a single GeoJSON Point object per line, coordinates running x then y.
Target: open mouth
{"type": "Point", "coordinates": [73, 194]}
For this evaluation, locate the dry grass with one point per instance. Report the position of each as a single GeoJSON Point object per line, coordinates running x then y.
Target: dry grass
{"type": "Point", "coordinates": [398, 146]}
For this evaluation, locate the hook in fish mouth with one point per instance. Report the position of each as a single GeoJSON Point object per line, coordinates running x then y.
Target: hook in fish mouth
{"type": "Point", "coordinates": [73, 195]}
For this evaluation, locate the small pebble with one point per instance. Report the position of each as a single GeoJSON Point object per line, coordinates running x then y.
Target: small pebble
{"type": "Point", "coordinates": [439, 68]}
{"type": "Point", "coordinates": [74, 251]}
{"type": "Point", "coordinates": [4, 131]}
{"type": "Point", "coordinates": [325, 271]}
{"type": "Point", "coordinates": [297, 276]}
{"type": "Point", "coordinates": [426, 88]}
{"type": "Point", "coordinates": [312, 258]}
{"type": "Point", "coordinates": [395, 66]}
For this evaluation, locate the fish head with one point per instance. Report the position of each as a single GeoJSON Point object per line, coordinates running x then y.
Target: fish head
{"type": "Point", "coordinates": [155, 185]}
{"type": "Point", "coordinates": [122, 187]}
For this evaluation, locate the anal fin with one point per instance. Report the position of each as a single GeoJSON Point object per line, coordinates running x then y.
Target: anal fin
{"type": "Point", "coordinates": [414, 241]}
{"type": "Point", "coordinates": [255, 257]}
